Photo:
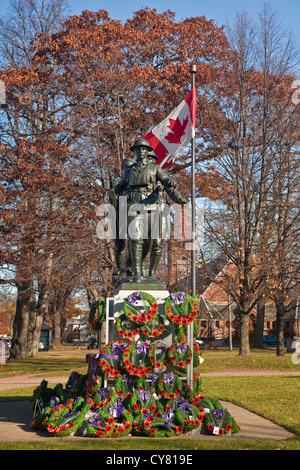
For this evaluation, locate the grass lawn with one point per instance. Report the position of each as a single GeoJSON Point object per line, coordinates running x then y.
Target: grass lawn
{"type": "Point", "coordinates": [275, 398]}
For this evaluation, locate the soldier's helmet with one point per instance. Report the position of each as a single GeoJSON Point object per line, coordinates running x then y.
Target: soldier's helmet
{"type": "Point", "coordinates": [141, 143]}
{"type": "Point", "coordinates": [152, 155]}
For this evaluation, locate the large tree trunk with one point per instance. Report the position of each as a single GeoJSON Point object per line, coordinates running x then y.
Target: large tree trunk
{"type": "Point", "coordinates": [37, 318]}
{"type": "Point", "coordinates": [57, 311]}
{"type": "Point", "coordinates": [19, 348]}
{"type": "Point", "coordinates": [280, 310]}
{"type": "Point", "coordinates": [244, 335]}
{"type": "Point", "coordinates": [260, 324]}
{"type": "Point", "coordinates": [58, 322]}
{"type": "Point", "coordinates": [41, 312]}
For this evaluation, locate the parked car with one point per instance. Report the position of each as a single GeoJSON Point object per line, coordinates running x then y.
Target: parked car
{"type": "Point", "coordinates": [7, 340]}
{"type": "Point", "coordinates": [200, 343]}
{"type": "Point", "coordinates": [270, 340]}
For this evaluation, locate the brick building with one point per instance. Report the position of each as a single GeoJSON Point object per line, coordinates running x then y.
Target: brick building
{"type": "Point", "coordinates": [216, 308]}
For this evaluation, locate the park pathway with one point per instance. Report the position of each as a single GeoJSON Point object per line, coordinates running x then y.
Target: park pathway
{"type": "Point", "coordinates": [16, 416]}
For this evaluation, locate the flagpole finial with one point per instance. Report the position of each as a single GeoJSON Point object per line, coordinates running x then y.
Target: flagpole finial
{"type": "Point", "coordinates": [193, 68]}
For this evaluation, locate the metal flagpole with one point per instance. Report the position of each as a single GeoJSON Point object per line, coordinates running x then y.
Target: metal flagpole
{"type": "Point", "coordinates": [190, 332]}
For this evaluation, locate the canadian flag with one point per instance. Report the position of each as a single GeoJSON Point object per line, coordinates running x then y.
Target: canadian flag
{"type": "Point", "coordinates": [173, 134]}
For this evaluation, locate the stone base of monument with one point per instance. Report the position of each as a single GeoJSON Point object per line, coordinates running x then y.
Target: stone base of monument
{"type": "Point", "coordinates": [114, 308]}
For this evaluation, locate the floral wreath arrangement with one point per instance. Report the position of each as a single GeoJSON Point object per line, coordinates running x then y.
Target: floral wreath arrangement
{"type": "Point", "coordinates": [145, 402]}
{"type": "Point", "coordinates": [160, 425]}
{"type": "Point", "coordinates": [180, 308]}
{"type": "Point", "coordinates": [104, 397]}
{"type": "Point", "coordinates": [186, 415]}
{"type": "Point", "coordinates": [125, 327]}
{"type": "Point", "coordinates": [93, 378]}
{"type": "Point", "coordinates": [114, 421]}
{"type": "Point", "coordinates": [125, 385]}
{"type": "Point", "coordinates": [134, 313]}
{"type": "Point", "coordinates": [70, 418]}
{"type": "Point", "coordinates": [111, 358]}
{"type": "Point", "coordinates": [218, 420]}
{"type": "Point", "coordinates": [97, 314]}
{"type": "Point", "coordinates": [180, 355]}
{"type": "Point", "coordinates": [170, 386]}
{"type": "Point", "coordinates": [157, 356]}
{"type": "Point", "coordinates": [134, 321]}
{"type": "Point", "coordinates": [135, 358]}
{"type": "Point", "coordinates": [76, 382]}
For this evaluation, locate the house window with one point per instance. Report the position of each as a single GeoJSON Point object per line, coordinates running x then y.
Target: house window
{"type": "Point", "coordinates": [287, 324]}
{"type": "Point", "coordinates": [217, 324]}
{"type": "Point", "coordinates": [203, 323]}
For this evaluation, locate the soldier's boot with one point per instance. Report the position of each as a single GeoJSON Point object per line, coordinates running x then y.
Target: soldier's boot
{"type": "Point", "coordinates": [154, 262]}
{"type": "Point", "coordinates": [146, 250]}
{"type": "Point", "coordinates": [144, 269]}
{"type": "Point", "coordinates": [136, 257]}
{"type": "Point", "coordinates": [121, 261]}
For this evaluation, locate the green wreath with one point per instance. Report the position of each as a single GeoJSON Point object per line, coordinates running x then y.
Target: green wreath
{"type": "Point", "coordinates": [158, 426]}
{"type": "Point", "coordinates": [180, 355]}
{"type": "Point", "coordinates": [185, 414]}
{"type": "Point", "coordinates": [157, 356]}
{"type": "Point", "coordinates": [114, 421]}
{"type": "Point", "coordinates": [97, 314]}
{"type": "Point", "coordinates": [67, 421]}
{"type": "Point", "coordinates": [144, 402]}
{"type": "Point", "coordinates": [135, 359]}
{"type": "Point", "coordinates": [104, 397]}
{"type": "Point", "coordinates": [170, 386]}
{"type": "Point", "coordinates": [180, 309]}
{"type": "Point", "coordinates": [111, 358]}
{"type": "Point", "coordinates": [134, 314]}
{"type": "Point", "coordinates": [219, 422]}
{"type": "Point", "coordinates": [126, 328]}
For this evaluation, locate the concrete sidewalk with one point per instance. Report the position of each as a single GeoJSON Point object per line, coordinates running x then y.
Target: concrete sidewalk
{"type": "Point", "coordinates": [15, 417]}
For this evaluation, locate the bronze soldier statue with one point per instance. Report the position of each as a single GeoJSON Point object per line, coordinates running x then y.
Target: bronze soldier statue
{"type": "Point", "coordinates": [144, 180]}
{"type": "Point", "coordinates": [123, 263]}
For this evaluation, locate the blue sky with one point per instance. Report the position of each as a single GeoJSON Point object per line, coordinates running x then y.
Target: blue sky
{"type": "Point", "coordinates": [222, 11]}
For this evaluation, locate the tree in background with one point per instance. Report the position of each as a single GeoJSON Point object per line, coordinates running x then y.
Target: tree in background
{"type": "Point", "coordinates": [28, 170]}
{"type": "Point", "coordinates": [256, 114]}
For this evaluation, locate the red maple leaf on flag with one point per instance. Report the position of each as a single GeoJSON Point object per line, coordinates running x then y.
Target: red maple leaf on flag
{"type": "Point", "coordinates": [177, 130]}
